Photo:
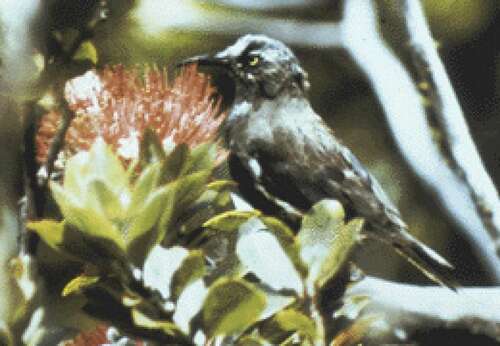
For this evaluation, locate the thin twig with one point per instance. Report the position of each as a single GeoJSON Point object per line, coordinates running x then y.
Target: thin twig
{"type": "Point", "coordinates": [56, 145]}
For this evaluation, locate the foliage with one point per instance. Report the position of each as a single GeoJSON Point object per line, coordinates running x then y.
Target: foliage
{"type": "Point", "coordinates": [148, 268]}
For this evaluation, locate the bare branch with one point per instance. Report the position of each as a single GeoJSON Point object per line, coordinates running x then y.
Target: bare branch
{"type": "Point", "coordinates": [407, 118]}
{"type": "Point", "coordinates": [408, 309]}
{"type": "Point", "coordinates": [464, 157]}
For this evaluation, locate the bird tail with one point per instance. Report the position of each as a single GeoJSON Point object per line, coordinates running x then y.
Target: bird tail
{"type": "Point", "coordinates": [428, 261]}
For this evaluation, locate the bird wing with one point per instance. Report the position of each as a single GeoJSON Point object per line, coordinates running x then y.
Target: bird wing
{"type": "Point", "coordinates": [344, 175]}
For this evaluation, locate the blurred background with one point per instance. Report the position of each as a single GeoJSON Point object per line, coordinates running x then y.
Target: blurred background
{"type": "Point", "coordinates": [161, 32]}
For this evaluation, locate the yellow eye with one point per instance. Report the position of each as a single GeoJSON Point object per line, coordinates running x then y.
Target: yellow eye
{"type": "Point", "coordinates": [254, 61]}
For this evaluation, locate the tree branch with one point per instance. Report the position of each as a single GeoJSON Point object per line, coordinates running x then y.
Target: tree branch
{"type": "Point", "coordinates": [464, 157]}
{"type": "Point", "coordinates": [408, 121]}
{"type": "Point", "coordinates": [410, 309]}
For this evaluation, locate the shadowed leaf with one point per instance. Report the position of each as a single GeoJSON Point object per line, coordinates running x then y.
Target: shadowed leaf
{"type": "Point", "coordinates": [231, 306]}
{"type": "Point", "coordinates": [202, 158]}
{"type": "Point", "coordinates": [192, 268]}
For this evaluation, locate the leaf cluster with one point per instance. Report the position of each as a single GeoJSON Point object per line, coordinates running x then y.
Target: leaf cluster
{"type": "Point", "coordinates": [165, 256]}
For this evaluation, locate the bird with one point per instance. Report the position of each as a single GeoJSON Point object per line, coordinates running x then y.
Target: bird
{"type": "Point", "coordinates": [285, 158]}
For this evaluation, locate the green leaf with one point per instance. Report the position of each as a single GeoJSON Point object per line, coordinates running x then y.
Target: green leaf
{"type": "Point", "coordinates": [291, 320]}
{"type": "Point", "coordinates": [151, 150]}
{"type": "Point", "coordinates": [317, 236]}
{"type": "Point", "coordinates": [86, 51]}
{"type": "Point", "coordinates": [252, 340]}
{"type": "Point", "coordinates": [260, 252]}
{"type": "Point", "coordinates": [51, 232]}
{"type": "Point", "coordinates": [160, 266]}
{"type": "Point", "coordinates": [86, 220]}
{"type": "Point", "coordinates": [143, 321]}
{"type": "Point", "coordinates": [191, 187]}
{"type": "Point", "coordinates": [202, 158]}
{"type": "Point", "coordinates": [287, 241]}
{"type": "Point", "coordinates": [76, 285]}
{"type": "Point", "coordinates": [220, 185]}
{"type": "Point", "coordinates": [345, 240]}
{"type": "Point", "coordinates": [187, 190]}
{"type": "Point", "coordinates": [191, 269]}
{"type": "Point", "coordinates": [104, 163]}
{"type": "Point", "coordinates": [230, 220]}
{"type": "Point", "coordinates": [174, 163]}
{"type": "Point", "coordinates": [104, 201]}
{"type": "Point", "coordinates": [144, 185]}
{"type": "Point", "coordinates": [75, 173]}
{"type": "Point", "coordinates": [231, 306]}
{"type": "Point", "coordinates": [149, 215]}
{"type": "Point", "coordinates": [278, 227]}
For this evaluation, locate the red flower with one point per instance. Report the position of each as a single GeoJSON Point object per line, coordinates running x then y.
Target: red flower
{"type": "Point", "coordinates": [118, 104]}
{"type": "Point", "coordinates": [95, 337]}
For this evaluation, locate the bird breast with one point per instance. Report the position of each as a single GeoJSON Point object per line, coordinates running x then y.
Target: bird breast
{"type": "Point", "coordinates": [285, 123]}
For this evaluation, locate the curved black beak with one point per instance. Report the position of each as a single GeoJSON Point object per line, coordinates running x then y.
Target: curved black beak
{"type": "Point", "coordinates": [205, 60]}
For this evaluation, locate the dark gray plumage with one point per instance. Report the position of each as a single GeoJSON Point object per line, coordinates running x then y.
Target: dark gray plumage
{"type": "Point", "coordinates": [286, 158]}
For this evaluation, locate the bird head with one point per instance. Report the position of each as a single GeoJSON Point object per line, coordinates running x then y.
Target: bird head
{"type": "Point", "coordinates": [260, 66]}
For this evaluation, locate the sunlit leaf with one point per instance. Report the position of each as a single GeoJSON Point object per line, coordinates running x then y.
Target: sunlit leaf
{"type": "Point", "coordinates": [76, 170]}
{"type": "Point", "coordinates": [231, 306]}
{"type": "Point", "coordinates": [318, 230]}
{"type": "Point", "coordinates": [149, 214]}
{"type": "Point", "coordinates": [323, 238]}
{"type": "Point", "coordinates": [103, 200]}
{"type": "Point", "coordinates": [143, 321]}
{"type": "Point", "coordinates": [295, 321]}
{"type": "Point", "coordinates": [286, 237]}
{"type": "Point", "coordinates": [51, 232]}
{"type": "Point", "coordinates": [230, 220]}
{"type": "Point", "coordinates": [144, 185]}
{"type": "Point", "coordinates": [262, 254]}
{"type": "Point", "coordinates": [87, 220]}
{"type": "Point", "coordinates": [345, 240]}
{"type": "Point", "coordinates": [86, 51]}
{"type": "Point", "coordinates": [219, 185]}
{"type": "Point", "coordinates": [79, 283]}
{"type": "Point", "coordinates": [104, 163]}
